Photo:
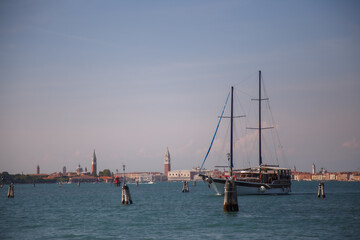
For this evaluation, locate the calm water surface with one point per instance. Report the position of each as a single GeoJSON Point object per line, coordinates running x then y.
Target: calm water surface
{"type": "Point", "coordinates": [162, 211]}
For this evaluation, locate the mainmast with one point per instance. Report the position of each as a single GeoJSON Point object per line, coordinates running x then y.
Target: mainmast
{"type": "Point", "coordinates": [260, 156]}
{"type": "Point", "coordinates": [260, 128]}
{"type": "Point", "coordinates": [231, 130]}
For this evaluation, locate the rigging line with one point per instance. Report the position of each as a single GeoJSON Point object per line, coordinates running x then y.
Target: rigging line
{"type": "Point", "coordinates": [272, 123]}
{"type": "Point", "coordinates": [273, 138]}
{"type": "Point", "coordinates": [219, 151]}
{"type": "Point", "coordinates": [236, 136]}
{"type": "Point", "coordinates": [226, 144]}
{"type": "Point", "coordinates": [273, 120]}
{"type": "Point", "coordinates": [248, 78]}
{"type": "Point", "coordinates": [249, 142]}
{"type": "Point", "coordinates": [282, 152]}
{"type": "Point", "coordinates": [269, 155]}
{"type": "Point", "coordinates": [246, 148]}
{"type": "Point", "coordinates": [239, 144]}
{"type": "Point", "coordinates": [217, 127]}
{"type": "Point", "coordinates": [244, 93]}
{"type": "Point", "coordinates": [238, 101]}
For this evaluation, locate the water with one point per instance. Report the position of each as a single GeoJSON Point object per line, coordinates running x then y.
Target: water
{"type": "Point", "coordinates": [162, 211]}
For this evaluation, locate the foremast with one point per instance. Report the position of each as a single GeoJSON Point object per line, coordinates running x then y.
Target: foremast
{"type": "Point", "coordinates": [231, 131]}
{"type": "Point", "coordinates": [231, 157]}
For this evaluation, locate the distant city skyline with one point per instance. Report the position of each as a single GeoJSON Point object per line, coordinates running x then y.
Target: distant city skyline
{"type": "Point", "coordinates": [131, 78]}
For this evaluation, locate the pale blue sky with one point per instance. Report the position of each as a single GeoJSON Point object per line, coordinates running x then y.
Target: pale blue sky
{"type": "Point", "coordinates": [130, 78]}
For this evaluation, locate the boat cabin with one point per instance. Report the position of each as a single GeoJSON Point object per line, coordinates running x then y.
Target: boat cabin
{"type": "Point", "coordinates": [264, 174]}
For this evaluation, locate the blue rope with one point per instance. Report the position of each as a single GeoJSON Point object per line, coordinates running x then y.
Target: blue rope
{"type": "Point", "coordinates": [212, 141]}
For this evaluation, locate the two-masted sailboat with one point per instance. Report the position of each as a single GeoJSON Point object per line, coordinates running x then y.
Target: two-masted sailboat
{"type": "Point", "coordinates": [262, 179]}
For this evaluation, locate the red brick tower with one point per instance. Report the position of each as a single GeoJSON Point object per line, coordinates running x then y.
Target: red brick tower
{"type": "Point", "coordinates": [167, 162]}
{"type": "Point", "coordinates": [93, 165]}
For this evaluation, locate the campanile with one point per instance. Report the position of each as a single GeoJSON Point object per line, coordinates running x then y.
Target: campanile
{"type": "Point", "coordinates": [167, 162]}
{"type": "Point", "coordinates": [93, 165]}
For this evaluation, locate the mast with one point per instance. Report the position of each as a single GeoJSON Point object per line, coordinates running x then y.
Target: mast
{"type": "Point", "coordinates": [260, 157]}
{"type": "Point", "coordinates": [231, 130]}
{"type": "Point", "coordinates": [260, 128]}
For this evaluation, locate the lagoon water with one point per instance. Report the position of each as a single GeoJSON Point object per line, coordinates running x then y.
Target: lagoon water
{"type": "Point", "coordinates": [162, 211]}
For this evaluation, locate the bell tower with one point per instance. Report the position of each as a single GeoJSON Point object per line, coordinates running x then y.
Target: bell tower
{"type": "Point", "coordinates": [167, 162]}
{"type": "Point", "coordinates": [93, 165]}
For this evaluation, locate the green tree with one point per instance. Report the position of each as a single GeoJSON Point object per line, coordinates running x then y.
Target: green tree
{"type": "Point", "coordinates": [105, 173]}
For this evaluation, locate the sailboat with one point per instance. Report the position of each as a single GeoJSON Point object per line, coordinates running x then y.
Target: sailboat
{"type": "Point", "coordinates": [261, 179]}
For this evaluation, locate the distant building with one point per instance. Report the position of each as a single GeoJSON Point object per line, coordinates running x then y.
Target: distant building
{"type": "Point", "coordinates": [64, 170]}
{"type": "Point", "coordinates": [142, 176]}
{"type": "Point", "coordinates": [183, 175]}
{"type": "Point", "coordinates": [38, 169]}
{"type": "Point", "coordinates": [313, 169]}
{"type": "Point", "coordinates": [83, 178]}
{"type": "Point", "coordinates": [167, 167]}
{"type": "Point", "coordinates": [343, 176]}
{"type": "Point", "coordinates": [355, 176]}
{"type": "Point", "coordinates": [301, 176]}
{"type": "Point", "coordinates": [79, 170]}
{"type": "Point", "coordinates": [318, 177]}
{"type": "Point", "coordinates": [179, 175]}
{"type": "Point", "coordinates": [332, 176]}
{"type": "Point", "coordinates": [94, 164]}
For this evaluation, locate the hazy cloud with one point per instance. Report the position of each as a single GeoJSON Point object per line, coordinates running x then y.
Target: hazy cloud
{"type": "Point", "coordinates": [352, 144]}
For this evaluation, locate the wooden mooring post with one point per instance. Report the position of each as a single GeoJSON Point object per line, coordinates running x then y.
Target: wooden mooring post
{"type": "Point", "coordinates": [230, 197]}
{"type": "Point", "coordinates": [126, 197]}
{"type": "Point", "coordinates": [11, 191]}
{"type": "Point", "coordinates": [321, 190]}
{"type": "Point", "coordinates": [185, 187]}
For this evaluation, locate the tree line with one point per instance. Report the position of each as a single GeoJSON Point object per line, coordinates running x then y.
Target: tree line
{"type": "Point", "coordinates": [7, 178]}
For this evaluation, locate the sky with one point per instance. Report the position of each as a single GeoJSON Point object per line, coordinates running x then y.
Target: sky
{"type": "Point", "coordinates": [131, 78]}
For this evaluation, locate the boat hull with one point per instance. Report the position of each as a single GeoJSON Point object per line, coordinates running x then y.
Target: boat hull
{"type": "Point", "coordinates": [246, 188]}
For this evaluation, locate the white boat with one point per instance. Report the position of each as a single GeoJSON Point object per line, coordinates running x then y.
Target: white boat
{"type": "Point", "coordinates": [262, 179]}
